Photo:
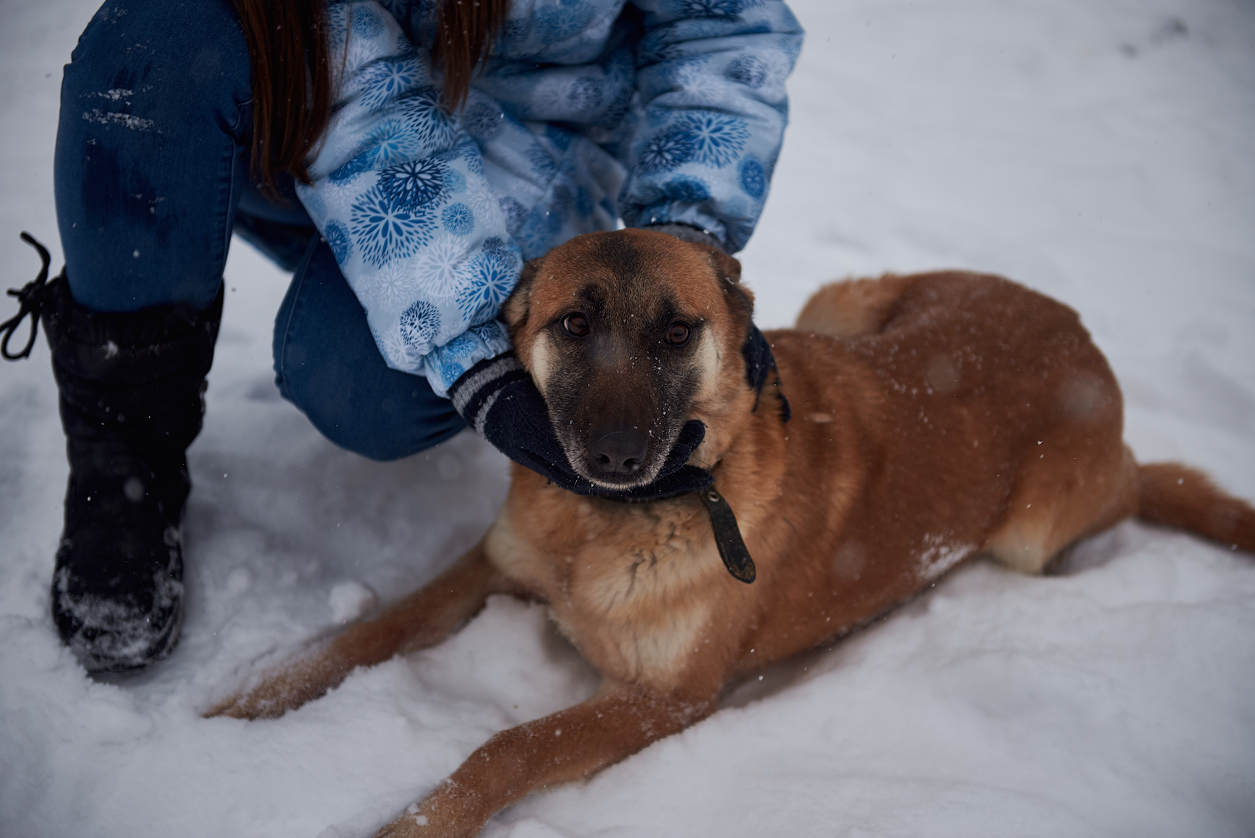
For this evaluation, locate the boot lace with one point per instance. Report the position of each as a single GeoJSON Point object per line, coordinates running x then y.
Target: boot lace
{"type": "Point", "coordinates": [32, 300]}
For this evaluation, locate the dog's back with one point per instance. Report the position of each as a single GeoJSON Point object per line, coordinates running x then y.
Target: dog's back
{"type": "Point", "coordinates": [936, 416]}
{"type": "Point", "coordinates": [960, 352]}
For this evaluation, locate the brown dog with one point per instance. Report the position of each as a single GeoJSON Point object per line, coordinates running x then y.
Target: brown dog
{"type": "Point", "coordinates": [935, 417]}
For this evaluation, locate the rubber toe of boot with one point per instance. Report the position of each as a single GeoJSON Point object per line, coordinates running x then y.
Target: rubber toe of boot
{"type": "Point", "coordinates": [118, 604]}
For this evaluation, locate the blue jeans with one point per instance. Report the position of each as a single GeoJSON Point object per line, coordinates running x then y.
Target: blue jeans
{"type": "Point", "coordinates": [152, 178]}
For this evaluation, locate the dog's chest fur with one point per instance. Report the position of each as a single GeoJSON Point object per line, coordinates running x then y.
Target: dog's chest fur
{"type": "Point", "coordinates": [625, 582]}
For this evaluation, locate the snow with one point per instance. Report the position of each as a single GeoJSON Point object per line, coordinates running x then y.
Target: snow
{"type": "Point", "coordinates": [1100, 152]}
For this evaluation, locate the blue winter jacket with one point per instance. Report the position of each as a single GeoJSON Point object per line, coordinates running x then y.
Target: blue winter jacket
{"type": "Point", "coordinates": [586, 111]}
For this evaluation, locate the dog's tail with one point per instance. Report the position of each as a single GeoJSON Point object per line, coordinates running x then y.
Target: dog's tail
{"type": "Point", "coordinates": [1179, 496]}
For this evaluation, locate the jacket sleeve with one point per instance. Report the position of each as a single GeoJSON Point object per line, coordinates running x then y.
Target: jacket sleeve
{"type": "Point", "coordinates": [710, 74]}
{"type": "Point", "coordinates": [398, 191]}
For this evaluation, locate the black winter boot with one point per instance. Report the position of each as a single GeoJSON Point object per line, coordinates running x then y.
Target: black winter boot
{"type": "Point", "coordinates": [131, 397]}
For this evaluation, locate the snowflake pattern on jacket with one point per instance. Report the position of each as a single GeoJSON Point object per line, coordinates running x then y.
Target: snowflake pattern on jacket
{"type": "Point", "coordinates": [587, 111]}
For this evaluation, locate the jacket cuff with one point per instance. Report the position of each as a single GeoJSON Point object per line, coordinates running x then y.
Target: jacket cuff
{"type": "Point", "coordinates": [474, 394]}
{"type": "Point", "coordinates": [689, 233]}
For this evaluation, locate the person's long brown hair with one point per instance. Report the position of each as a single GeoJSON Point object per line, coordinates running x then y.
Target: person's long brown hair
{"type": "Point", "coordinates": [292, 80]}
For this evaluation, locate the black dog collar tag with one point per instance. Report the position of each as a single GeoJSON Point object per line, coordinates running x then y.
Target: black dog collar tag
{"type": "Point", "coordinates": [736, 558]}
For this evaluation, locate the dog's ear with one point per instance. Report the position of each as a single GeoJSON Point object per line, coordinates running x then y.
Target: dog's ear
{"type": "Point", "coordinates": [740, 300]}
{"type": "Point", "coordinates": [514, 310]}
{"type": "Point", "coordinates": [727, 267]}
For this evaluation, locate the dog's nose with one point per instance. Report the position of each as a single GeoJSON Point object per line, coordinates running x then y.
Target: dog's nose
{"type": "Point", "coordinates": [618, 449]}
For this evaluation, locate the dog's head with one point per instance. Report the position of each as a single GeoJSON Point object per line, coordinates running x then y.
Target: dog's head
{"type": "Point", "coordinates": [628, 335]}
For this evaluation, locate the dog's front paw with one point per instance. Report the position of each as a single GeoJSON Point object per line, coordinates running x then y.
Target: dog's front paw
{"type": "Point", "coordinates": [249, 705]}
{"type": "Point", "coordinates": [449, 812]}
{"type": "Point", "coordinates": [420, 826]}
{"type": "Point", "coordinates": [290, 687]}
{"type": "Point", "coordinates": [409, 826]}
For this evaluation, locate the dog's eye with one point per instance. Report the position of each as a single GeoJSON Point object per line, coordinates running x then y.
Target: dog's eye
{"type": "Point", "coordinates": [576, 324]}
{"type": "Point", "coordinates": [678, 334]}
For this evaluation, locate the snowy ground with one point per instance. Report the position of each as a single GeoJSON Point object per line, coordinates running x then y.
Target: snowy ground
{"type": "Point", "coordinates": [1099, 151]}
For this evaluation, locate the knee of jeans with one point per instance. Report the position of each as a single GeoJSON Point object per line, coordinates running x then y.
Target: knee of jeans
{"type": "Point", "coordinates": [356, 402]}
{"type": "Point", "coordinates": [133, 47]}
{"type": "Point", "coordinates": [380, 423]}
{"type": "Point", "coordinates": [327, 364]}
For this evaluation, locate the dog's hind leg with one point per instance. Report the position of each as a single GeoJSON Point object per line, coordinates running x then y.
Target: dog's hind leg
{"type": "Point", "coordinates": [567, 746]}
{"type": "Point", "coordinates": [422, 619]}
{"type": "Point", "coordinates": [1074, 489]}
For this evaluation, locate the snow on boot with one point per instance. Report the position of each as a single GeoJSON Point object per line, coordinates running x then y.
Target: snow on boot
{"type": "Point", "coordinates": [131, 398]}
